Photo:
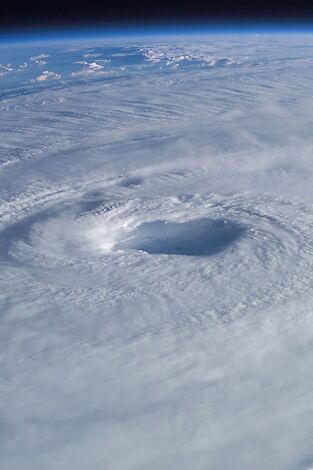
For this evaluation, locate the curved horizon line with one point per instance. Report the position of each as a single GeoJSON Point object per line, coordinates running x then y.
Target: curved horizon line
{"type": "Point", "coordinates": [151, 28]}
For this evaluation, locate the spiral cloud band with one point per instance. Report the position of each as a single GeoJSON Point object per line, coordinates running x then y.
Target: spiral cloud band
{"type": "Point", "coordinates": [156, 254]}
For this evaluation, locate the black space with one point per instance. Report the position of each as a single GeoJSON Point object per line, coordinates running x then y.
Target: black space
{"type": "Point", "coordinates": [15, 13]}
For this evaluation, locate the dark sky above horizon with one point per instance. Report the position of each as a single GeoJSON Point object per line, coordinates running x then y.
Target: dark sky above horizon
{"type": "Point", "coordinates": [15, 13]}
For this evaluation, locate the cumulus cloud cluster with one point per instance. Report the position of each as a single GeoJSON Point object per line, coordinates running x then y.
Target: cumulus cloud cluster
{"type": "Point", "coordinates": [46, 75]}
{"type": "Point", "coordinates": [89, 68]}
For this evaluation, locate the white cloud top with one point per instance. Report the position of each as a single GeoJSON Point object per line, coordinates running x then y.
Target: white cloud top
{"type": "Point", "coordinates": [156, 254]}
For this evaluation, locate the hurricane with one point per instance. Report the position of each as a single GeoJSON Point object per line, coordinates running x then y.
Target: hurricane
{"type": "Point", "coordinates": [156, 253]}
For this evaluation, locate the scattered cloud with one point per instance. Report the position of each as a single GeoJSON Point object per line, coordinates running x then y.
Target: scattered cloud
{"type": "Point", "coordinates": [46, 75]}
{"type": "Point", "coordinates": [89, 68]}
{"type": "Point", "coordinates": [90, 54]}
{"type": "Point", "coordinates": [39, 59]}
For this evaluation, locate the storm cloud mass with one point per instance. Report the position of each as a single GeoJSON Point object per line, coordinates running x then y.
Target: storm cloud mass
{"type": "Point", "coordinates": [156, 254]}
